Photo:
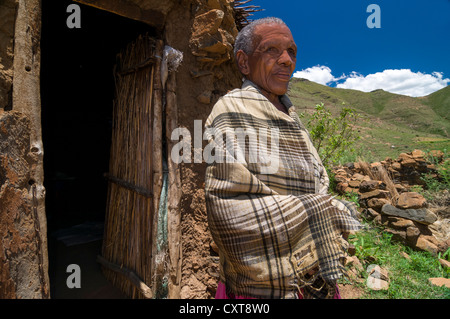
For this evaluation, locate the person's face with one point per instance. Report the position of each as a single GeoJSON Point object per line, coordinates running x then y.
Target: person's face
{"type": "Point", "coordinates": [272, 62]}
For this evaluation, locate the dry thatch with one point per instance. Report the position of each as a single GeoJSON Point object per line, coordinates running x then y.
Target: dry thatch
{"type": "Point", "coordinates": [242, 12]}
{"type": "Point", "coordinates": [379, 173]}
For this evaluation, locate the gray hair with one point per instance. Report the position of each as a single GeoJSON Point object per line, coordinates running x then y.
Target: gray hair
{"type": "Point", "coordinates": [244, 40]}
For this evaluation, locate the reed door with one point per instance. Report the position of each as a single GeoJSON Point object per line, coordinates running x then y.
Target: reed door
{"type": "Point", "coordinates": [129, 213]}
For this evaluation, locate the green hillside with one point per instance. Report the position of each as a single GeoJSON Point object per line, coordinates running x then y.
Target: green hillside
{"type": "Point", "coordinates": [389, 123]}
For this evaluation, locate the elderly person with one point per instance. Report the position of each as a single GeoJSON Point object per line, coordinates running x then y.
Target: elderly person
{"type": "Point", "coordinates": [279, 234]}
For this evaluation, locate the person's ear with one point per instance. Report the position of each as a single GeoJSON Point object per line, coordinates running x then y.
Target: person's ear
{"type": "Point", "coordinates": [242, 62]}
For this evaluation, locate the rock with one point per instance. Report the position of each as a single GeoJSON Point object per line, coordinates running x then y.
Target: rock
{"type": "Point", "coordinates": [378, 278]}
{"type": "Point", "coordinates": [444, 245]}
{"type": "Point", "coordinates": [418, 154]}
{"type": "Point", "coordinates": [396, 166]}
{"type": "Point", "coordinates": [444, 263]}
{"type": "Point", "coordinates": [350, 165]}
{"type": "Point", "coordinates": [407, 160]}
{"type": "Point", "coordinates": [212, 44]}
{"type": "Point", "coordinates": [204, 97]}
{"type": "Point", "coordinates": [353, 262]}
{"type": "Point", "coordinates": [354, 184]}
{"type": "Point", "coordinates": [207, 23]}
{"type": "Point", "coordinates": [370, 213]}
{"type": "Point", "coordinates": [412, 233]}
{"type": "Point", "coordinates": [367, 186]}
{"type": "Point", "coordinates": [398, 235]}
{"type": "Point", "coordinates": [424, 244]}
{"type": "Point", "coordinates": [377, 203]}
{"type": "Point", "coordinates": [359, 177]}
{"type": "Point", "coordinates": [341, 187]}
{"type": "Point", "coordinates": [441, 229]}
{"type": "Point", "coordinates": [214, 4]}
{"type": "Point", "coordinates": [400, 188]}
{"type": "Point", "coordinates": [214, 247]}
{"type": "Point", "coordinates": [399, 223]}
{"type": "Point", "coordinates": [350, 190]}
{"type": "Point", "coordinates": [373, 165]}
{"type": "Point", "coordinates": [440, 282]}
{"type": "Point", "coordinates": [378, 272]}
{"type": "Point", "coordinates": [405, 255]}
{"type": "Point", "coordinates": [411, 200]}
{"type": "Point", "coordinates": [375, 193]}
{"type": "Point", "coordinates": [421, 215]}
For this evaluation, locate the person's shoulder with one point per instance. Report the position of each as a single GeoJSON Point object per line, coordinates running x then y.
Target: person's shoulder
{"type": "Point", "coordinates": [233, 93]}
{"type": "Point", "coordinates": [247, 92]}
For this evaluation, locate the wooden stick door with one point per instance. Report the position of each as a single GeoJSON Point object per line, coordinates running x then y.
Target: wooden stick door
{"type": "Point", "coordinates": [134, 169]}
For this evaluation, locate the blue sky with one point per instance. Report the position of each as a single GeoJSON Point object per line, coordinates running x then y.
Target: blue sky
{"type": "Point", "coordinates": [409, 54]}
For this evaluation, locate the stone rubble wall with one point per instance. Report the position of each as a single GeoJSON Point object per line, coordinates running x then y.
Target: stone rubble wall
{"type": "Point", "coordinates": [389, 199]}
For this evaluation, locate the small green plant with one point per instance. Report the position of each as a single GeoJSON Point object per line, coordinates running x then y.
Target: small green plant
{"type": "Point", "coordinates": [435, 182]}
{"type": "Point", "coordinates": [332, 136]}
{"type": "Point", "coordinates": [369, 244]}
{"type": "Point", "coordinates": [353, 197]}
{"type": "Point", "coordinates": [445, 256]}
{"type": "Point", "coordinates": [444, 172]}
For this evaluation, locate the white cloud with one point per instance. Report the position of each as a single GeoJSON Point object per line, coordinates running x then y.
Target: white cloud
{"type": "Point", "coordinates": [319, 74]}
{"type": "Point", "coordinates": [400, 81]}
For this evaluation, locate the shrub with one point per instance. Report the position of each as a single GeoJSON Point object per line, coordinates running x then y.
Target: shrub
{"type": "Point", "coordinates": [332, 136]}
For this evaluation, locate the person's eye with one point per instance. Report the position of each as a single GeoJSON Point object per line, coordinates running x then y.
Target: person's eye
{"type": "Point", "coordinates": [292, 52]}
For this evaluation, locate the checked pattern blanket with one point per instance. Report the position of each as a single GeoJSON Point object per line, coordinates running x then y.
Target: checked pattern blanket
{"type": "Point", "coordinates": [267, 203]}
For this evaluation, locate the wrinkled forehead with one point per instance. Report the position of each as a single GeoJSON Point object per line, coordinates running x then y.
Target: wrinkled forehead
{"type": "Point", "coordinates": [270, 32]}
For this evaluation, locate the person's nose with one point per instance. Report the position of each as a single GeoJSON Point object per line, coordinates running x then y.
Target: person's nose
{"type": "Point", "coordinates": [286, 59]}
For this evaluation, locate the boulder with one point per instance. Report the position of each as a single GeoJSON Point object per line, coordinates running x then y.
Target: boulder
{"type": "Point", "coordinates": [421, 215]}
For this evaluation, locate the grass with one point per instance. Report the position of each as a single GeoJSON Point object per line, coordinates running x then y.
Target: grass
{"type": "Point", "coordinates": [408, 276]}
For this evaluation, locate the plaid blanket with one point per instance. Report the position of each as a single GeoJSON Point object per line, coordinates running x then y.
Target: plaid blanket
{"type": "Point", "coordinates": [267, 203]}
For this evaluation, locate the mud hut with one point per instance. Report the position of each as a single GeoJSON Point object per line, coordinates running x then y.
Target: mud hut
{"type": "Point", "coordinates": [90, 93]}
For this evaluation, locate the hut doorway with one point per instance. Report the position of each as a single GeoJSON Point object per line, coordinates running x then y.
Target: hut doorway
{"type": "Point", "coordinates": [77, 92]}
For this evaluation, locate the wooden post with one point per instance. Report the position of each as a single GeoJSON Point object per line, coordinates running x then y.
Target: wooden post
{"type": "Point", "coordinates": [27, 100]}
{"type": "Point", "coordinates": [174, 194]}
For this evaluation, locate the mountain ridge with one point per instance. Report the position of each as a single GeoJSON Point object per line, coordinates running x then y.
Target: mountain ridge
{"type": "Point", "coordinates": [389, 123]}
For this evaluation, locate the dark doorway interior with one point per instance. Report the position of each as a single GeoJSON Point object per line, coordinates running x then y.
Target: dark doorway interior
{"type": "Point", "coordinates": [77, 91]}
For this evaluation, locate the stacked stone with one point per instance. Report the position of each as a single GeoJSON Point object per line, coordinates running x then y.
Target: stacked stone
{"type": "Point", "coordinates": [404, 213]}
{"type": "Point", "coordinates": [213, 34]}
